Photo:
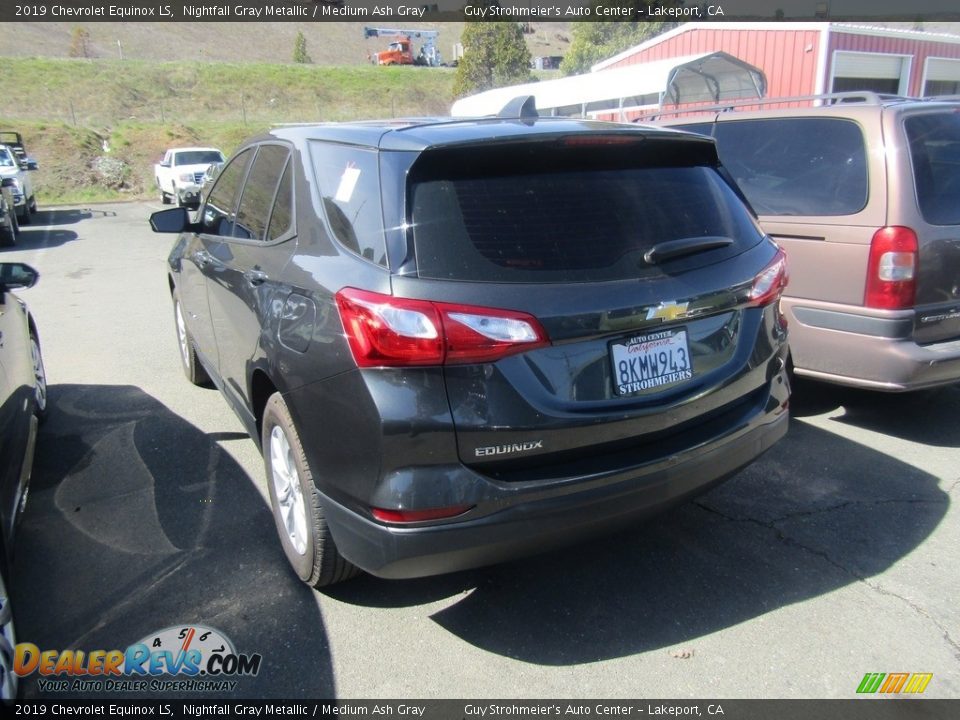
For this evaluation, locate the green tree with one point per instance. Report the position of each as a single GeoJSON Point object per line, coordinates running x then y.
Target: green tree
{"type": "Point", "coordinates": [494, 55]}
{"type": "Point", "coordinates": [80, 43]}
{"type": "Point", "coordinates": [596, 41]}
{"type": "Point", "coordinates": [300, 54]}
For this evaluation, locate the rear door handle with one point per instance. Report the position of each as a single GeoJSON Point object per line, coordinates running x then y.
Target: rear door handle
{"type": "Point", "coordinates": [255, 277]}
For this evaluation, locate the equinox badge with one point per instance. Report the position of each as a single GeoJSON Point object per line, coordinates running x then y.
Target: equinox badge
{"type": "Point", "coordinates": [507, 449]}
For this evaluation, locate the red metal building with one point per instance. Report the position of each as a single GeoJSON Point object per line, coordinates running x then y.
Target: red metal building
{"type": "Point", "coordinates": [813, 58]}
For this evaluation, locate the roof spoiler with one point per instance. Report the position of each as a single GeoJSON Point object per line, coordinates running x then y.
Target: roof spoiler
{"type": "Point", "coordinates": [523, 107]}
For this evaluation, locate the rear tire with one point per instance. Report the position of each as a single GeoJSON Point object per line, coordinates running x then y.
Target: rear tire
{"type": "Point", "coordinates": [192, 367]}
{"type": "Point", "coordinates": [297, 511]}
{"type": "Point", "coordinates": [33, 205]}
{"type": "Point", "coordinates": [24, 217]}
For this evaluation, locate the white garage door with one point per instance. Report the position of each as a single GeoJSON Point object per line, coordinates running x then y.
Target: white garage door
{"type": "Point", "coordinates": [871, 71]}
{"type": "Point", "coordinates": [941, 77]}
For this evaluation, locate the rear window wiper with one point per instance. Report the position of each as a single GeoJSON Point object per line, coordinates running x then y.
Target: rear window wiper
{"type": "Point", "coordinates": [670, 249]}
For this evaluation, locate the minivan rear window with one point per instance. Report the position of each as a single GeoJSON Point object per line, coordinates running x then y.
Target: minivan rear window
{"type": "Point", "coordinates": [934, 141]}
{"type": "Point", "coordinates": [796, 166]}
{"type": "Point", "coordinates": [566, 222]}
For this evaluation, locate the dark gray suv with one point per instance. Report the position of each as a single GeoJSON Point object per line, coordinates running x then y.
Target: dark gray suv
{"type": "Point", "coordinates": [457, 341]}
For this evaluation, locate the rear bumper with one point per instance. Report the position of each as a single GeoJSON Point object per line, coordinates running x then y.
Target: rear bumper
{"type": "Point", "coordinates": [528, 518]}
{"type": "Point", "coordinates": [871, 352]}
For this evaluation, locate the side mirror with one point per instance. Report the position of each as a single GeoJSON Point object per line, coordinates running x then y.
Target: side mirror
{"type": "Point", "coordinates": [15, 276]}
{"type": "Point", "coordinates": [172, 220]}
{"type": "Point", "coordinates": [30, 164]}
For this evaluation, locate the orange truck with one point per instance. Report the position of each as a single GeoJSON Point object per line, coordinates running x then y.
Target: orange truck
{"type": "Point", "coordinates": [400, 51]}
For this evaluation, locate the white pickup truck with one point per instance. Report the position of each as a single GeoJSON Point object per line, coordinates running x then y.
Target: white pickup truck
{"type": "Point", "coordinates": [180, 174]}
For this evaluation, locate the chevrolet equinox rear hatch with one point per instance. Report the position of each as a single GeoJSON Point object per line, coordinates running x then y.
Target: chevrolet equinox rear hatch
{"type": "Point", "coordinates": [620, 280]}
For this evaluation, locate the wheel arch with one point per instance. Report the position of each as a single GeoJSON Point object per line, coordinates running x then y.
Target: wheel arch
{"type": "Point", "coordinates": [261, 388]}
{"type": "Point", "coordinates": [32, 326]}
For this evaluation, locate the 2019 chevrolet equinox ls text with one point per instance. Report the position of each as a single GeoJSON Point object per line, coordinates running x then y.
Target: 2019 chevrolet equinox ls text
{"type": "Point", "coordinates": [459, 341]}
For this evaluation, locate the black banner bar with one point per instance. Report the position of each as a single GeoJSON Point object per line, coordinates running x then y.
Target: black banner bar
{"type": "Point", "coordinates": [860, 709]}
{"type": "Point", "coordinates": [479, 10]}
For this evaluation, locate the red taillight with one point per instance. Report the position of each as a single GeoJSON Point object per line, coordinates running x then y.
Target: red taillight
{"type": "Point", "coordinates": [408, 516]}
{"type": "Point", "coordinates": [768, 285]}
{"type": "Point", "coordinates": [892, 269]}
{"type": "Point", "coordinates": [601, 140]}
{"type": "Point", "coordinates": [387, 331]}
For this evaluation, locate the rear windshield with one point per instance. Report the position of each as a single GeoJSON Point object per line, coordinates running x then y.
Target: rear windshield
{"type": "Point", "coordinates": [197, 157]}
{"type": "Point", "coordinates": [566, 221]}
{"type": "Point", "coordinates": [934, 141]}
{"type": "Point", "coordinates": [795, 166]}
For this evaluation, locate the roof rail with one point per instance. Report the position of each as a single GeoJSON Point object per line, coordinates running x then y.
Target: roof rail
{"type": "Point", "coordinates": [865, 97]}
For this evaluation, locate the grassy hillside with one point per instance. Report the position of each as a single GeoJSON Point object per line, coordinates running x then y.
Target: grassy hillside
{"type": "Point", "coordinates": [98, 93]}
{"type": "Point", "coordinates": [97, 126]}
{"type": "Point", "coordinates": [328, 43]}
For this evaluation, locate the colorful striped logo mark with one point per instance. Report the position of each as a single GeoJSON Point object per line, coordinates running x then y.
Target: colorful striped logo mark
{"type": "Point", "coordinates": [892, 683]}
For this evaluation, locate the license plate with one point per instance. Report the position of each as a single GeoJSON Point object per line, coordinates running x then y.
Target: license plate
{"type": "Point", "coordinates": [649, 362]}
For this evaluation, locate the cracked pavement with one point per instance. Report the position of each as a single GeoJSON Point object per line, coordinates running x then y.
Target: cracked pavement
{"type": "Point", "coordinates": [832, 556]}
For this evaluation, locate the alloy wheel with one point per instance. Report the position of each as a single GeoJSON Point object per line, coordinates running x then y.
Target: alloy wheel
{"type": "Point", "coordinates": [286, 486]}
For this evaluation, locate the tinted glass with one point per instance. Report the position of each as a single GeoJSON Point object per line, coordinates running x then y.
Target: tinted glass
{"type": "Point", "coordinates": [282, 216]}
{"type": "Point", "coordinates": [699, 128]}
{"type": "Point", "coordinates": [217, 215]}
{"type": "Point", "coordinates": [568, 225]}
{"type": "Point", "coordinates": [197, 157]}
{"type": "Point", "coordinates": [796, 166]}
{"type": "Point", "coordinates": [935, 154]}
{"type": "Point", "coordinates": [259, 191]}
{"type": "Point", "coordinates": [350, 191]}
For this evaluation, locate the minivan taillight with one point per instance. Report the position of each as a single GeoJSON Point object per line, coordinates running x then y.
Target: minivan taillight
{"type": "Point", "coordinates": [769, 283]}
{"type": "Point", "coordinates": [388, 331]}
{"type": "Point", "coordinates": [892, 269]}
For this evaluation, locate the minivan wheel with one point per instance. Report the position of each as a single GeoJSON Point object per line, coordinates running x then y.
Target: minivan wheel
{"type": "Point", "coordinates": [297, 511]}
{"type": "Point", "coordinates": [192, 367]}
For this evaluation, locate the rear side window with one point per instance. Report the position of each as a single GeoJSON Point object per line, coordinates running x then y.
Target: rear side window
{"type": "Point", "coordinates": [797, 166]}
{"type": "Point", "coordinates": [350, 193]}
{"type": "Point", "coordinates": [282, 217]}
{"type": "Point", "coordinates": [934, 142]}
{"type": "Point", "coordinates": [528, 220]}
{"type": "Point", "coordinates": [259, 192]}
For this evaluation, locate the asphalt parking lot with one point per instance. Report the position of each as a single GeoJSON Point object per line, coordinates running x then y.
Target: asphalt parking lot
{"type": "Point", "coordinates": [833, 556]}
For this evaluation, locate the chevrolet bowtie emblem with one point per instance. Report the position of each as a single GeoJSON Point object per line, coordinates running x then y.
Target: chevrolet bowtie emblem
{"type": "Point", "coordinates": [667, 311]}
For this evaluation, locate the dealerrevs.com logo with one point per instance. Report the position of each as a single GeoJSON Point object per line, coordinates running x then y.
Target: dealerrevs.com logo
{"type": "Point", "coordinates": [176, 659]}
{"type": "Point", "coordinates": [894, 683]}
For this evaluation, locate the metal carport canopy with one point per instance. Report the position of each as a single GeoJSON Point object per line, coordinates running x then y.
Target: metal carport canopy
{"type": "Point", "coordinates": [707, 77]}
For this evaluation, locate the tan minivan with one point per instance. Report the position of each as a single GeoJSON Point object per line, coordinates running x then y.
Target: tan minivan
{"type": "Point", "coordinates": [863, 193]}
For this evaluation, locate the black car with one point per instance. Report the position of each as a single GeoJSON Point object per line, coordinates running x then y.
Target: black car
{"type": "Point", "coordinates": [23, 404]}
{"type": "Point", "coordinates": [9, 225]}
{"type": "Point", "coordinates": [462, 340]}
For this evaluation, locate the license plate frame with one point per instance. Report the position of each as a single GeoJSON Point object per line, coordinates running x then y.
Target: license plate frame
{"type": "Point", "coordinates": [653, 361]}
